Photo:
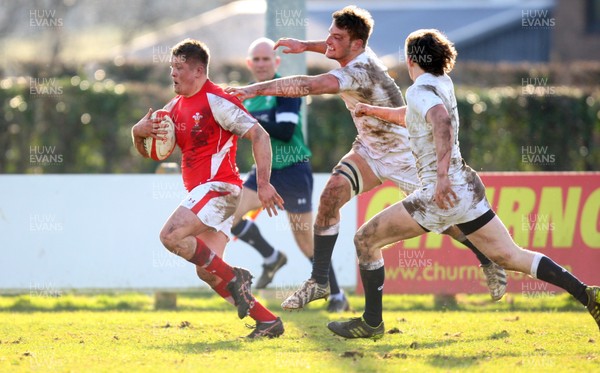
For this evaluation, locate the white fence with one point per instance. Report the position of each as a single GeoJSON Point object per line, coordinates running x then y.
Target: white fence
{"type": "Point", "coordinates": [101, 232]}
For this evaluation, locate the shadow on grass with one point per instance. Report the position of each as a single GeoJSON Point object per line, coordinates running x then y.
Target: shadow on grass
{"type": "Point", "coordinates": [474, 359]}
{"type": "Point", "coordinates": [202, 347]}
{"type": "Point", "coordinates": [307, 334]}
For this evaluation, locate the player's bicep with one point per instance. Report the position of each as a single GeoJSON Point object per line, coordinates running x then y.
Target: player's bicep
{"type": "Point", "coordinates": [230, 116]}
{"type": "Point", "coordinates": [437, 115]}
{"type": "Point", "coordinates": [324, 83]}
{"type": "Point", "coordinates": [441, 128]}
{"type": "Point", "coordinates": [253, 132]}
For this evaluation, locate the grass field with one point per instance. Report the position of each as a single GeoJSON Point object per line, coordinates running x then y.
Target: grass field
{"type": "Point", "coordinates": [122, 333]}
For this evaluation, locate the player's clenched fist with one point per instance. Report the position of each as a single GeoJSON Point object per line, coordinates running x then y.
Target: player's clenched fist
{"type": "Point", "coordinates": [360, 110]}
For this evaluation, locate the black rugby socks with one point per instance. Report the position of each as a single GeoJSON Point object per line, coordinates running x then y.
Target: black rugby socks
{"type": "Point", "coordinates": [373, 285]}
{"type": "Point", "coordinates": [248, 232]}
{"type": "Point", "coordinates": [549, 271]}
{"type": "Point", "coordinates": [322, 260]}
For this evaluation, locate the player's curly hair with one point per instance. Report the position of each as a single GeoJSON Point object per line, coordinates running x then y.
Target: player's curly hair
{"type": "Point", "coordinates": [357, 21]}
{"type": "Point", "coordinates": [431, 50]}
{"type": "Point", "coordinates": [192, 50]}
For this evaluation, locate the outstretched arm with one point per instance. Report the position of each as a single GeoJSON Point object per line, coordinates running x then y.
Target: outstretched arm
{"type": "Point", "coordinates": [291, 86]}
{"type": "Point", "coordinates": [293, 46]}
{"type": "Point", "coordinates": [392, 115]}
{"type": "Point", "coordinates": [443, 138]}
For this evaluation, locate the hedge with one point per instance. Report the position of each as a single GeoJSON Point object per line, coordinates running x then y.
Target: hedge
{"type": "Point", "coordinates": [87, 123]}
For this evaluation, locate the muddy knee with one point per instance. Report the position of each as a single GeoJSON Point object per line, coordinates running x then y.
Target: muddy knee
{"type": "Point", "coordinates": [361, 242]}
{"type": "Point", "coordinates": [168, 239]}
{"type": "Point", "coordinates": [333, 197]}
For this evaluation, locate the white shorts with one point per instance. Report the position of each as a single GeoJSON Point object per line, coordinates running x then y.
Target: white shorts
{"type": "Point", "coordinates": [214, 203]}
{"type": "Point", "coordinates": [471, 204]}
{"type": "Point", "coordinates": [399, 168]}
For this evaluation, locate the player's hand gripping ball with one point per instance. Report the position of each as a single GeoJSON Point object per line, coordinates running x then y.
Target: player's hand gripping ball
{"type": "Point", "coordinates": [161, 149]}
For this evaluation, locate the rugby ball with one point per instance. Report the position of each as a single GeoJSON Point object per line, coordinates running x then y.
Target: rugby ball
{"type": "Point", "coordinates": [161, 149]}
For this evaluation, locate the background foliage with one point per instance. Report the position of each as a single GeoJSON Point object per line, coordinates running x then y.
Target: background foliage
{"type": "Point", "coordinates": [85, 116]}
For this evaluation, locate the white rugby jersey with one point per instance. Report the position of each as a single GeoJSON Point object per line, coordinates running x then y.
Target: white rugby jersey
{"type": "Point", "coordinates": [365, 79]}
{"type": "Point", "coordinates": [428, 91]}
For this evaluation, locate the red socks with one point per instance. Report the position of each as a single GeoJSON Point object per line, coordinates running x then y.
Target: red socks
{"type": "Point", "coordinates": [260, 313]}
{"type": "Point", "coordinates": [207, 259]}
{"type": "Point", "coordinates": [204, 257]}
{"type": "Point", "coordinates": [221, 289]}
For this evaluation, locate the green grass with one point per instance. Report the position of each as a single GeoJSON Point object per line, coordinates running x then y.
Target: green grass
{"type": "Point", "coordinates": [122, 333]}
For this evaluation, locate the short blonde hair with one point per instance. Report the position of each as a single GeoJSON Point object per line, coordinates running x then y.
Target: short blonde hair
{"type": "Point", "coordinates": [192, 50]}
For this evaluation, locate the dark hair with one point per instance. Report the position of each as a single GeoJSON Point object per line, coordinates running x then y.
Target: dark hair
{"type": "Point", "coordinates": [431, 50]}
{"type": "Point", "coordinates": [358, 22]}
{"type": "Point", "coordinates": [192, 51]}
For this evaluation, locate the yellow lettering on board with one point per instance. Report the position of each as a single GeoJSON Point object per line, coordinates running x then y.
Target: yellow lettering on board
{"type": "Point", "coordinates": [433, 240]}
{"type": "Point", "coordinates": [589, 220]}
{"type": "Point", "coordinates": [514, 206]}
{"type": "Point", "coordinates": [412, 243]}
{"type": "Point", "coordinates": [489, 194]}
{"type": "Point", "coordinates": [383, 198]}
{"type": "Point", "coordinates": [552, 218]}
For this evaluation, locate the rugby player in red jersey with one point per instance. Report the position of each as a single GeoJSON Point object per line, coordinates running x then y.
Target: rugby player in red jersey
{"type": "Point", "coordinates": [208, 123]}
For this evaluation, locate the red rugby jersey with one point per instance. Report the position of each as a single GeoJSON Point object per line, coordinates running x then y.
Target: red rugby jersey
{"type": "Point", "coordinates": [207, 126]}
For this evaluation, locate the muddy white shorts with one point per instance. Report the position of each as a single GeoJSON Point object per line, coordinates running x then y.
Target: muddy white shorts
{"type": "Point", "coordinates": [470, 205]}
{"type": "Point", "coordinates": [214, 203]}
{"type": "Point", "coordinates": [399, 168]}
